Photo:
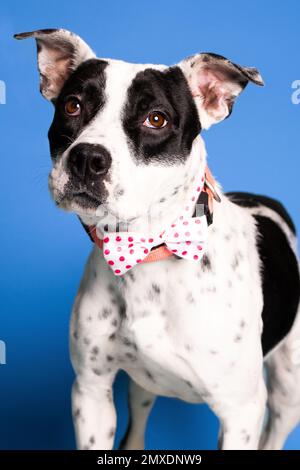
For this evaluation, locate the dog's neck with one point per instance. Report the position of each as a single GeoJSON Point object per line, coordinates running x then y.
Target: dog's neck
{"type": "Point", "coordinates": [160, 216]}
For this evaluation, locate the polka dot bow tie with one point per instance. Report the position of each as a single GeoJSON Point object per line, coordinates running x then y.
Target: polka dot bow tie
{"type": "Point", "coordinates": [185, 238]}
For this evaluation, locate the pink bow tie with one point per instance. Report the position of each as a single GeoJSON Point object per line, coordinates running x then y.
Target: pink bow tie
{"type": "Point", "coordinates": [185, 238]}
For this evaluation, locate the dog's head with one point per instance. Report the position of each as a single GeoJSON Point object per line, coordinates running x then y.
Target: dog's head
{"type": "Point", "coordinates": [123, 134]}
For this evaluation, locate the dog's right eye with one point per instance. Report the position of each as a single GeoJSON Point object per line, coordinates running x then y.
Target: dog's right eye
{"type": "Point", "coordinates": [73, 107]}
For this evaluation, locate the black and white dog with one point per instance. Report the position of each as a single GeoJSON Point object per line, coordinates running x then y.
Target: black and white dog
{"type": "Point", "coordinates": [128, 137]}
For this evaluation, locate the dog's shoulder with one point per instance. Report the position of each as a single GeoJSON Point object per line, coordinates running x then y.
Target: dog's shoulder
{"type": "Point", "coordinates": [280, 269]}
{"type": "Point", "coordinates": [250, 200]}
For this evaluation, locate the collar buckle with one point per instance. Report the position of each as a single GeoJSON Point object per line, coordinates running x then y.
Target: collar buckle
{"type": "Point", "coordinates": [212, 189]}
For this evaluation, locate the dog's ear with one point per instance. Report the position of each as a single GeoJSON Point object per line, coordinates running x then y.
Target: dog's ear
{"type": "Point", "coordinates": [215, 82]}
{"type": "Point", "coordinates": [59, 53]}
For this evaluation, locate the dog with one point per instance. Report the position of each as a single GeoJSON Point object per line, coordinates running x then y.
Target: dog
{"type": "Point", "coordinates": [127, 137]}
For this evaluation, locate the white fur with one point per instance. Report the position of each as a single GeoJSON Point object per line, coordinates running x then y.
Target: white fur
{"type": "Point", "coordinates": [198, 340]}
{"type": "Point", "coordinates": [178, 328]}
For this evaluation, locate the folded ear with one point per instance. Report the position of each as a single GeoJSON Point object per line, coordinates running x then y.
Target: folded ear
{"type": "Point", "coordinates": [215, 82]}
{"type": "Point", "coordinates": [59, 54]}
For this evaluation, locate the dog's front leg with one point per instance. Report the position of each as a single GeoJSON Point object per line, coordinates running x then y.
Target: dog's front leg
{"type": "Point", "coordinates": [95, 322]}
{"type": "Point", "coordinates": [93, 413]}
{"type": "Point", "coordinates": [241, 423]}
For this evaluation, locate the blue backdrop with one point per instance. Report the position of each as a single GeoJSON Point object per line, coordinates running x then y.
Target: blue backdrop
{"type": "Point", "coordinates": [43, 251]}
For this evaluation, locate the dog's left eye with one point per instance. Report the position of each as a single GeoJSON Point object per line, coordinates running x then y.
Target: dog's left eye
{"type": "Point", "coordinates": [155, 120]}
{"type": "Point", "coordinates": [73, 107]}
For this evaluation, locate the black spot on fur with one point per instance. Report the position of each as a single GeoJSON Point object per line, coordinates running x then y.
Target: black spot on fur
{"type": "Point", "coordinates": [111, 433]}
{"type": "Point", "coordinates": [189, 384]}
{"type": "Point", "coordinates": [149, 375]}
{"type": "Point", "coordinates": [131, 276]}
{"type": "Point", "coordinates": [106, 312]}
{"type": "Point", "coordinates": [109, 358]}
{"type": "Point", "coordinates": [246, 436]}
{"type": "Point", "coordinates": [206, 263]}
{"type": "Point", "coordinates": [129, 343]}
{"type": "Point", "coordinates": [109, 395]}
{"type": "Point", "coordinates": [220, 440]}
{"type": "Point", "coordinates": [190, 298]}
{"type": "Point", "coordinates": [167, 92]}
{"type": "Point", "coordinates": [122, 310]}
{"type": "Point", "coordinates": [281, 283]}
{"type": "Point", "coordinates": [92, 440]}
{"type": "Point", "coordinates": [156, 288]}
{"type": "Point", "coordinates": [130, 356]}
{"type": "Point", "coordinates": [97, 371]}
{"type": "Point", "coordinates": [146, 403]}
{"type": "Point", "coordinates": [235, 262]}
{"type": "Point", "coordinates": [95, 350]}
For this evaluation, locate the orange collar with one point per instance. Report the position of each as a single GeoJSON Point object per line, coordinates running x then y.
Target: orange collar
{"type": "Point", "coordinates": [162, 252]}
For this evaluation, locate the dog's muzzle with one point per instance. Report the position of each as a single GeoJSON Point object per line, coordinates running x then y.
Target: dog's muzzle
{"type": "Point", "coordinates": [88, 163]}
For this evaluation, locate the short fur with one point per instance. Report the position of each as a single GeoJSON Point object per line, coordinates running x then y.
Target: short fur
{"type": "Point", "coordinates": [196, 331]}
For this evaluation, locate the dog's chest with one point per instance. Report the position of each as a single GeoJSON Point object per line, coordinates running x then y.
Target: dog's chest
{"type": "Point", "coordinates": [184, 322]}
{"type": "Point", "coordinates": [157, 343]}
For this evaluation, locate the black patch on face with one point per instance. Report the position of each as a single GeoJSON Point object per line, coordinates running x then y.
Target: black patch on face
{"type": "Point", "coordinates": [166, 92]}
{"type": "Point", "coordinates": [87, 83]}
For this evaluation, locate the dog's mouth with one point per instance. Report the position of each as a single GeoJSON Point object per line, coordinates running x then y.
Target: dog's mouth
{"type": "Point", "coordinates": [85, 200]}
{"type": "Point", "coordinates": [78, 201]}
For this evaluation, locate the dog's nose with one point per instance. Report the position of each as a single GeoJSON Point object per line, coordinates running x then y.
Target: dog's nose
{"type": "Point", "coordinates": [89, 161]}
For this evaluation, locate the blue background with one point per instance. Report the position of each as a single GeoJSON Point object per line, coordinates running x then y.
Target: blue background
{"type": "Point", "coordinates": [43, 251]}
